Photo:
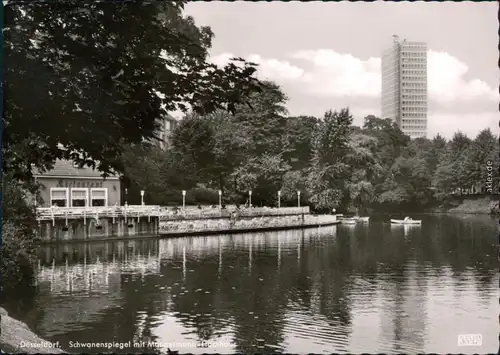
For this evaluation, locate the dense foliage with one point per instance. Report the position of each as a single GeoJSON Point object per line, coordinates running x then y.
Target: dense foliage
{"type": "Point", "coordinates": [17, 253]}
{"type": "Point", "coordinates": [99, 74]}
{"type": "Point", "coordinates": [331, 162]}
{"type": "Point", "coordinates": [88, 81]}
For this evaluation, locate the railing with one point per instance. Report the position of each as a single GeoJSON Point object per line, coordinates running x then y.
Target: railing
{"type": "Point", "coordinates": [53, 213]}
{"type": "Point", "coordinates": [165, 214]}
{"type": "Point", "coordinates": [193, 213]}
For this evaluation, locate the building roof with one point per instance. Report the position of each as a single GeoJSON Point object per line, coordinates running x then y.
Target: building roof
{"type": "Point", "coordinates": [65, 168]}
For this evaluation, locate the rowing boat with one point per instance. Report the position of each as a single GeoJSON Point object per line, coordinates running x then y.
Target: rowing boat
{"type": "Point", "coordinates": [406, 221]}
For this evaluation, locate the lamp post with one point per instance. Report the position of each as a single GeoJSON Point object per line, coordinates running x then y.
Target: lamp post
{"type": "Point", "coordinates": [126, 193]}
{"type": "Point", "coordinates": [36, 194]}
{"type": "Point", "coordinates": [279, 198]}
{"type": "Point", "coordinates": [142, 197]}
{"type": "Point", "coordinates": [184, 200]}
{"type": "Point", "coordinates": [220, 199]}
{"type": "Point", "coordinates": [298, 199]}
{"type": "Point", "coordinates": [250, 198]}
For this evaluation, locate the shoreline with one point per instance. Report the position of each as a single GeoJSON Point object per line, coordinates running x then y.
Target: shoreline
{"type": "Point", "coordinates": [166, 235]}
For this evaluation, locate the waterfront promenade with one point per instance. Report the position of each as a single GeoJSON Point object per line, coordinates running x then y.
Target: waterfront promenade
{"type": "Point", "coordinates": [112, 222]}
{"type": "Point", "coordinates": [163, 213]}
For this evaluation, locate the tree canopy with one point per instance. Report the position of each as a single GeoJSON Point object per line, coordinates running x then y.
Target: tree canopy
{"type": "Point", "coordinates": [99, 75]}
{"type": "Point", "coordinates": [85, 79]}
{"type": "Point", "coordinates": [332, 163]}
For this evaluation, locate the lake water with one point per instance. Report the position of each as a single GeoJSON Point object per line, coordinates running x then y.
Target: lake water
{"type": "Point", "coordinates": [375, 288]}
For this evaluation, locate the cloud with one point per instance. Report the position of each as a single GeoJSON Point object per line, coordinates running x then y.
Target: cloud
{"type": "Point", "coordinates": [273, 68]}
{"type": "Point", "coordinates": [447, 83]}
{"type": "Point", "coordinates": [317, 80]}
{"type": "Point", "coordinates": [269, 68]}
{"type": "Point", "coordinates": [326, 73]}
{"type": "Point", "coordinates": [335, 74]}
{"type": "Point", "coordinates": [469, 124]}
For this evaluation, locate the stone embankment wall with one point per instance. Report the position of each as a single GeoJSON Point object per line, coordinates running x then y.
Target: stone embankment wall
{"type": "Point", "coordinates": [222, 225]}
{"type": "Point", "coordinates": [214, 213]}
{"type": "Point", "coordinates": [64, 229]}
{"type": "Point", "coordinates": [17, 338]}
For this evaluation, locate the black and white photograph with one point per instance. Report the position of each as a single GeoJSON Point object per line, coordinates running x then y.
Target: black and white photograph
{"type": "Point", "coordinates": [249, 177]}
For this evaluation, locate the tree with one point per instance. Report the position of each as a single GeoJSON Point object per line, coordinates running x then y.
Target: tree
{"type": "Point", "coordinates": [99, 74]}
{"type": "Point", "coordinates": [18, 244]}
{"type": "Point", "coordinates": [297, 143]}
{"type": "Point", "coordinates": [193, 141]}
{"type": "Point", "coordinates": [438, 148]}
{"type": "Point", "coordinates": [263, 175]}
{"type": "Point", "coordinates": [223, 145]}
{"type": "Point", "coordinates": [229, 148]}
{"type": "Point", "coordinates": [409, 184]}
{"type": "Point", "coordinates": [392, 141]}
{"type": "Point", "coordinates": [451, 172]}
{"type": "Point", "coordinates": [365, 170]}
{"type": "Point", "coordinates": [329, 171]}
{"type": "Point", "coordinates": [216, 144]}
{"type": "Point", "coordinates": [159, 173]}
{"type": "Point", "coordinates": [293, 181]}
{"type": "Point", "coordinates": [482, 150]}
{"type": "Point", "coordinates": [263, 120]}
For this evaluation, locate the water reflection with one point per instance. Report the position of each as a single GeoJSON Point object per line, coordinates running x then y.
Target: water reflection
{"type": "Point", "coordinates": [371, 288]}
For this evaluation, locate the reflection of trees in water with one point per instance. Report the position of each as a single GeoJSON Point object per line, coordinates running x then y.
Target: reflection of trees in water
{"type": "Point", "coordinates": [254, 301]}
{"type": "Point", "coordinates": [118, 320]}
{"type": "Point", "coordinates": [223, 292]}
{"type": "Point", "coordinates": [442, 240]}
{"type": "Point", "coordinates": [251, 302]}
{"type": "Point", "coordinates": [80, 253]}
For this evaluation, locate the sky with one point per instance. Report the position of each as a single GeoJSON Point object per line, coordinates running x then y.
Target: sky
{"type": "Point", "coordinates": [326, 55]}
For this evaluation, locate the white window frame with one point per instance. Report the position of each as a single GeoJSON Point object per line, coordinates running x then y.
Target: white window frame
{"type": "Point", "coordinates": [78, 189]}
{"type": "Point", "coordinates": [55, 189]}
{"type": "Point", "coordinates": [99, 189]}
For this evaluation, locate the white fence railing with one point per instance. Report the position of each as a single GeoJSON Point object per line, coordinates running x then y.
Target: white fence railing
{"type": "Point", "coordinates": [191, 213]}
{"type": "Point", "coordinates": [165, 214]}
{"type": "Point", "coordinates": [52, 213]}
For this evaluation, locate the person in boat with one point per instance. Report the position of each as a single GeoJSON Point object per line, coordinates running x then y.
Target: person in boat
{"type": "Point", "coordinates": [407, 219]}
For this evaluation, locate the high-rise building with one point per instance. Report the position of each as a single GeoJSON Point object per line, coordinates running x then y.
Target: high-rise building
{"type": "Point", "coordinates": [404, 86]}
{"type": "Point", "coordinates": [167, 125]}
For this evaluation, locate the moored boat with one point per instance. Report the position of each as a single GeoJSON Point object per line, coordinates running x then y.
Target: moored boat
{"type": "Point", "coordinates": [355, 219]}
{"type": "Point", "coordinates": [348, 221]}
{"type": "Point", "coordinates": [406, 221]}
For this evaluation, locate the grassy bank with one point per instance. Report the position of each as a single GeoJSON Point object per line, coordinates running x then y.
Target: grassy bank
{"type": "Point", "coordinates": [485, 205]}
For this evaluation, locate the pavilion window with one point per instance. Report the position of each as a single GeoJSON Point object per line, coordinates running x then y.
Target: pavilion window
{"type": "Point", "coordinates": [79, 197]}
{"type": "Point", "coordinates": [99, 197]}
{"type": "Point", "coordinates": [59, 197]}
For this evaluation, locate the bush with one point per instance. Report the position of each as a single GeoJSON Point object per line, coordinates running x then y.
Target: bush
{"type": "Point", "coordinates": [206, 196]}
{"type": "Point", "coordinates": [17, 255]}
{"type": "Point", "coordinates": [494, 208]}
{"type": "Point", "coordinates": [18, 248]}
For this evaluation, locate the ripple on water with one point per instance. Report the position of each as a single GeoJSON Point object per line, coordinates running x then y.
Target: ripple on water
{"type": "Point", "coordinates": [340, 304]}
